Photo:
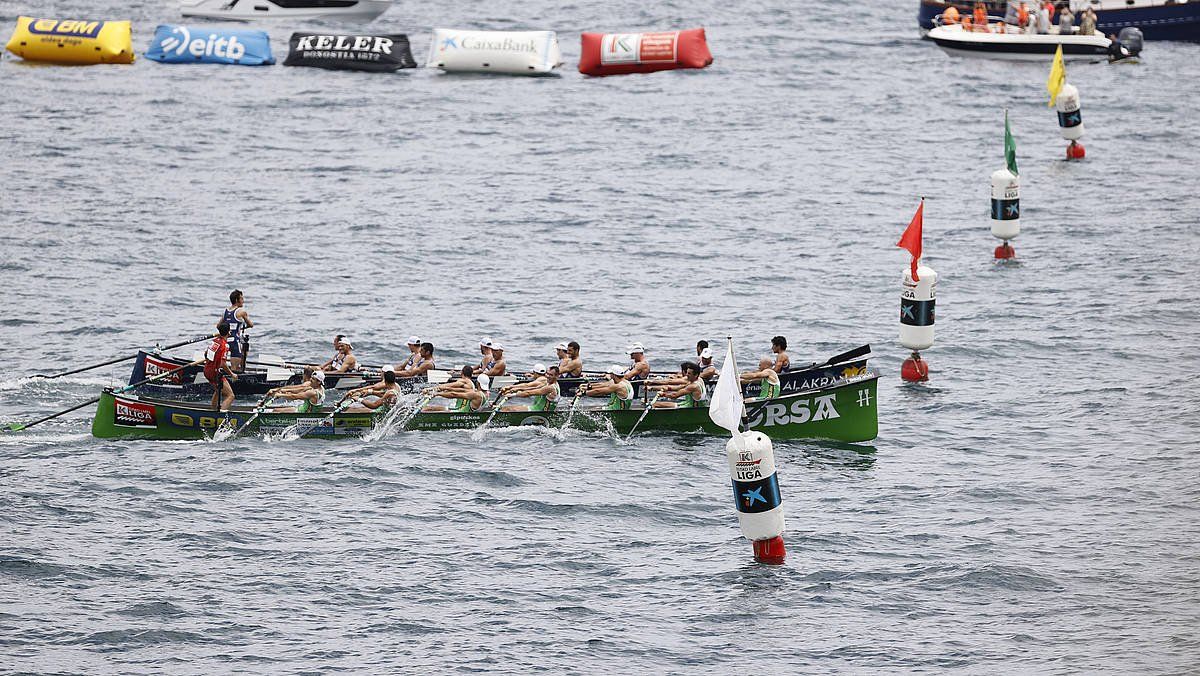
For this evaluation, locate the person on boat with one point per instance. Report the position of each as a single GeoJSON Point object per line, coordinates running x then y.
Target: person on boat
{"type": "Point", "coordinates": [1043, 19]}
{"type": "Point", "coordinates": [569, 363]}
{"type": "Point", "coordinates": [543, 390]}
{"type": "Point", "coordinates": [980, 16]}
{"type": "Point", "coordinates": [384, 393]}
{"type": "Point", "coordinates": [767, 377]}
{"type": "Point", "coordinates": [344, 360]}
{"type": "Point", "coordinates": [1066, 21]}
{"type": "Point", "coordinates": [1023, 15]}
{"type": "Point", "coordinates": [950, 15]}
{"type": "Point", "coordinates": [216, 369]}
{"type": "Point", "coordinates": [423, 364]}
{"type": "Point", "coordinates": [783, 362]}
{"type": "Point", "coordinates": [691, 394]}
{"type": "Point", "coordinates": [462, 389]}
{"type": "Point", "coordinates": [708, 369]}
{"type": "Point", "coordinates": [618, 390]}
{"type": "Point", "coordinates": [414, 348]}
{"type": "Point", "coordinates": [640, 368]}
{"type": "Point", "coordinates": [304, 377]}
{"type": "Point", "coordinates": [236, 317]}
{"type": "Point", "coordinates": [1087, 25]}
{"type": "Point", "coordinates": [485, 356]}
{"type": "Point", "coordinates": [1011, 14]}
{"type": "Point", "coordinates": [308, 399]}
{"type": "Point", "coordinates": [492, 365]}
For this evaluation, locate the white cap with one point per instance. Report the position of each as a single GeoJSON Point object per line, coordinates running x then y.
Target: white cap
{"type": "Point", "coordinates": [636, 347]}
{"type": "Point", "coordinates": [387, 368]}
{"type": "Point", "coordinates": [319, 375]}
{"type": "Point", "coordinates": [485, 342]}
{"type": "Point", "coordinates": [561, 346]}
{"type": "Point", "coordinates": [413, 340]}
{"type": "Point", "coordinates": [497, 347]}
{"type": "Point", "coordinates": [616, 370]}
{"type": "Point", "coordinates": [539, 368]}
{"type": "Point", "coordinates": [706, 353]}
{"type": "Point", "coordinates": [346, 342]}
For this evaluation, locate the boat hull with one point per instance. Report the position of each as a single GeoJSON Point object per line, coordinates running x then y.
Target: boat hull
{"type": "Point", "coordinates": [846, 411]}
{"type": "Point", "coordinates": [255, 10]}
{"type": "Point", "coordinates": [1159, 22]}
{"type": "Point", "coordinates": [1018, 46]}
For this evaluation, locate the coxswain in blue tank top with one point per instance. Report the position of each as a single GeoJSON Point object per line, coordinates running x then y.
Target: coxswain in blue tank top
{"type": "Point", "coordinates": [238, 319]}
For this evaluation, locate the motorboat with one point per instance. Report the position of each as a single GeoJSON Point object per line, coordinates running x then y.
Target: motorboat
{"type": "Point", "coordinates": [1158, 19]}
{"type": "Point", "coordinates": [250, 10]}
{"type": "Point", "coordinates": [998, 40]}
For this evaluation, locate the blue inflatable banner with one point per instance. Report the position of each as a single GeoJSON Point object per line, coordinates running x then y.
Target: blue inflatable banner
{"type": "Point", "coordinates": [198, 44]}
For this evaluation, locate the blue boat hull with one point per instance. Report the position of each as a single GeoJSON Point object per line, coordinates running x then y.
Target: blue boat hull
{"type": "Point", "coordinates": [1161, 22]}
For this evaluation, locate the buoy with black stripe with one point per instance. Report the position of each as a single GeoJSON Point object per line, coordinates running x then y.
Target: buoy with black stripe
{"type": "Point", "coordinates": [1006, 210]}
{"type": "Point", "coordinates": [1070, 120]}
{"type": "Point", "coordinates": [917, 300]}
{"type": "Point", "coordinates": [756, 495]}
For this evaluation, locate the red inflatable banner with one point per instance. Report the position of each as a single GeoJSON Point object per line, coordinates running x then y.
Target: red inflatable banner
{"type": "Point", "coordinates": [621, 53]}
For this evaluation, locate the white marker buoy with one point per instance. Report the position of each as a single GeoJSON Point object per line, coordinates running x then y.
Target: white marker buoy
{"type": "Point", "coordinates": [1006, 210]}
{"type": "Point", "coordinates": [756, 495]}
{"type": "Point", "coordinates": [917, 301]}
{"type": "Point", "coordinates": [1070, 120]}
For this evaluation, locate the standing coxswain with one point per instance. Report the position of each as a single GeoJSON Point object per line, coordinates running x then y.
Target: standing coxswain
{"type": "Point", "coordinates": [768, 378]}
{"type": "Point", "coordinates": [216, 368]}
{"type": "Point", "coordinates": [615, 386]}
{"type": "Point", "coordinates": [236, 317]}
{"type": "Point", "coordinates": [543, 390]}
{"type": "Point", "coordinates": [691, 394]}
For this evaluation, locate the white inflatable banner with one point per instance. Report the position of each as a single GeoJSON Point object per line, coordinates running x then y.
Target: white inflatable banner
{"type": "Point", "coordinates": [512, 52]}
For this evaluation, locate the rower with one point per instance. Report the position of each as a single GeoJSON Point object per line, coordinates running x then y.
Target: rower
{"type": "Point", "coordinates": [569, 363]}
{"type": "Point", "coordinates": [237, 318]}
{"type": "Point", "coordinates": [308, 371]}
{"type": "Point", "coordinates": [492, 365]}
{"type": "Point", "coordinates": [640, 369]}
{"type": "Point", "coordinates": [766, 376]}
{"type": "Point", "coordinates": [216, 368]}
{"type": "Point", "coordinates": [337, 352]}
{"type": "Point", "coordinates": [384, 393]}
{"type": "Point", "coordinates": [344, 360]}
{"type": "Point", "coordinates": [692, 394]}
{"type": "Point", "coordinates": [708, 369]}
{"type": "Point", "coordinates": [543, 390]}
{"type": "Point", "coordinates": [619, 390]}
{"type": "Point", "coordinates": [414, 348]}
{"type": "Point", "coordinates": [309, 399]}
{"type": "Point", "coordinates": [782, 363]}
{"type": "Point", "coordinates": [463, 389]}
{"type": "Point", "coordinates": [422, 365]}
{"type": "Point", "coordinates": [485, 359]}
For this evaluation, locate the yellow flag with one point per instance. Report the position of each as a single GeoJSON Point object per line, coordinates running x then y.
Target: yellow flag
{"type": "Point", "coordinates": [1058, 77]}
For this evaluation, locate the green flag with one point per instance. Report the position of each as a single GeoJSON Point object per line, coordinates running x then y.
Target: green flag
{"type": "Point", "coordinates": [1010, 147]}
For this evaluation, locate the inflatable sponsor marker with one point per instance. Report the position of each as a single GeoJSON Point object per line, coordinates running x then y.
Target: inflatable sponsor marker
{"type": "Point", "coordinates": [622, 53]}
{"type": "Point", "coordinates": [72, 41]}
{"type": "Point", "coordinates": [199, 44]}
{"type": "Point", "coordinates": [511, 52]}
{"type": "Point", "coordinates": [375, 53]}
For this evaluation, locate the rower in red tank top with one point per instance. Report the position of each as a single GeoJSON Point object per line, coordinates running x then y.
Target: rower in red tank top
{"type": "Point", "coordinates": [216, 367]}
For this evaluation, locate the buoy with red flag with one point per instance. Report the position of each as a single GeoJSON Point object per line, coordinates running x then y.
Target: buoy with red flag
{"type": "Point", "coordinates": [917, 300]}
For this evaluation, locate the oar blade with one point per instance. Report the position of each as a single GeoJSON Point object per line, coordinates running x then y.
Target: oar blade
{"type": "Point", "coordinates": [14, 427]}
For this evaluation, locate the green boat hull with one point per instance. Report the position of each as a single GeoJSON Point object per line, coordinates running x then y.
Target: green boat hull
{"type": "Point", "coordinates": [845, 411]}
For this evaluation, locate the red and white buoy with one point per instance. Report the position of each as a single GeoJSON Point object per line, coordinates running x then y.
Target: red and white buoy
{"type": "Point", "coordinates": [756, 495]}
{"type": "Point", "coordinates": [917, 300]}
{"type": "Point", "coordinates": [1070, 120]}
{"type": "Point", "coordinates": [1006, 211]}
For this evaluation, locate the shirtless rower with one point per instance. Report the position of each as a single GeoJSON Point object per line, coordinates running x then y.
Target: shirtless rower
{"type": "Point", "coordinates": [342, 362]}
{"type": "Point", "coordinates": [462, 389]}
{"type": "Point", "coordinates": [782, 362]}
{"type": "Point", "coordinates": [767, 377]}
{"type": "Point", "coordinates": [238, 319]}
{"type": "Point", "coordinates": [640, 369]}
{"type": "Point", "coordinates": [493, 364]}
{"type": "Point", "coordinates": [422, 365]}
{"type": "Point", "coordinates": [569, 363]}
{"type": "Point", "coordinates": [414, 348]}
{"type": "Point", "coordinates": [384, 393]}
{"type": "Point", "coordinates": [692, 394]}
{"type": "Point", "coordinates": [618, 390]}
{"type": "Point", "coordinates": [543, 391]}
{"type": "Point", "coordinates": [308, 400]}
{"type": "Point", "coordinates": [485, 357]}
{"type": "Point", "coordinates": [708, 369]}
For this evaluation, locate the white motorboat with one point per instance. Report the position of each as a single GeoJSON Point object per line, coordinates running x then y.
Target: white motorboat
{"type": "Point", "coordinates": [249, 10]}
{"type": "Point", "coordinates": [999, 40]}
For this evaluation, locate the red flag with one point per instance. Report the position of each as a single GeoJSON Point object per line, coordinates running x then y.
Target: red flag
{"type": "Point", "coordinates": [911, 239]}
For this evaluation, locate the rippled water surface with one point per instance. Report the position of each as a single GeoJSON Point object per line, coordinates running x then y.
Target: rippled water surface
{"type": "Point", "coordinates": [1033, 509]}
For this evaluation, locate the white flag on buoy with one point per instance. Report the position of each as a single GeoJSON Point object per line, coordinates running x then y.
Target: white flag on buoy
{"type": "Point", "coordinates": [726, 406]}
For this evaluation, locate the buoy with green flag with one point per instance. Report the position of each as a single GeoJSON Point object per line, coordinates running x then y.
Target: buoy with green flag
{"type": "Point", "coordinates": [1006, 198]}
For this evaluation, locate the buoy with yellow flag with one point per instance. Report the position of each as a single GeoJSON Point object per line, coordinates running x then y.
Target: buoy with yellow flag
{"type": "Point", "coordinates": [1064, 97]}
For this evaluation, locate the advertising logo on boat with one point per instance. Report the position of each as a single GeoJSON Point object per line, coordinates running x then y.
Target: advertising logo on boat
{"type": "Point", "coordinates": [617, 48]}
{"type": "Point", "coordinates": [801, 411]}
{"type": "Point", "coordinates": [66, 27]}
{"type": "Point", "coordinates": [134, 414]}
{"type": "Point", "coordinates": [153, 367]}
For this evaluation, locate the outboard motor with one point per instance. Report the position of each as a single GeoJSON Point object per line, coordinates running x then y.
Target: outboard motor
{"type": "Point", "coordinates": [1127, 45]}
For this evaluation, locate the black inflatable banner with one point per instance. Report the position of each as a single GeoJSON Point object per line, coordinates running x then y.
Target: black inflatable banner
{"type": "Point", "coordinates": [377, 53]}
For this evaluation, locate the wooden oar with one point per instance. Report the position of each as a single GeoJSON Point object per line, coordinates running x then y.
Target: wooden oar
{"type": "Point", "coordinates": [17, 427]}
{"type": "Point", "coordinates": [495, 409]}
{"type": "Point", "coordinates": [649, 407]}
{"type": "Point", "coordinates": [847, 355]}
{"type": "Point", "coordinates": [116, 361]}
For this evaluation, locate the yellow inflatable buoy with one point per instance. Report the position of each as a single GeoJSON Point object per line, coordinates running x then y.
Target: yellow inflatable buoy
{"type": "Point", "coordinates": [72, 41]}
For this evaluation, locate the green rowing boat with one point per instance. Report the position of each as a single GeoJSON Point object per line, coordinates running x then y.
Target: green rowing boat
{"type": "Point", "coordinates": [842, 411]}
